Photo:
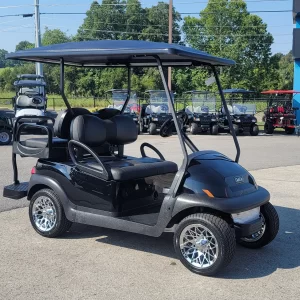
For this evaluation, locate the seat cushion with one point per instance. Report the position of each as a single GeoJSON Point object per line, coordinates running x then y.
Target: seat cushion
{"type": "Point", "coordinates": [131, 168]}
{"type": "Point", "coordinates": [43, 143]}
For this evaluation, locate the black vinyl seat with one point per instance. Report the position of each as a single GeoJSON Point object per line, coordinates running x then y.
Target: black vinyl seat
{"type": "Point", "coordinates": [119, 130]}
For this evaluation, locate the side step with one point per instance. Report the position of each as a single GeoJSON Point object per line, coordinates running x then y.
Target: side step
{"type": "Point", "coordinates": [16, 191]}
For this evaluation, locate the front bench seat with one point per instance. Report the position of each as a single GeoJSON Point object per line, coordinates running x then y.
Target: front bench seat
{"type": "Point", "coordinates": [119, 130]}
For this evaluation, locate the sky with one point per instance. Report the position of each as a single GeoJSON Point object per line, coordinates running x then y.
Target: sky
{"type": "Point", "coordinates": [15, 29]}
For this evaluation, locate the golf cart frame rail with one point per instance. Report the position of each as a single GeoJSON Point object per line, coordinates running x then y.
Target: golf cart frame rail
{"type": "Point", "coordinates": [141, 56]}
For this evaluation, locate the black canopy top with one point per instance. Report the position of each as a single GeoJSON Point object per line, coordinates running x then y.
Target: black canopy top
{"type": "Point", "coordinates": [29, 83]}
{"type": "Point", "coordinates": [237, 91]}
{"type": "Point", "coordinates": [119, 53]}
{"type": "Point", "coordinates": [30, 76]}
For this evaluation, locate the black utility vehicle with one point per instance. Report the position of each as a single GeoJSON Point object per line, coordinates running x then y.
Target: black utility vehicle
{"type": "Point", "coordinates": [6, 126]}
{"type": "Point", "coordinates": [201, 110]}
{"type": "Point", "coordinates": [154, 111]}
{"type": "Point", "coordinates": [209, 202]}
{"type": "Point", "coordinates": [119, 97]}
{"type": "Point", "coordinates": [242, 113]}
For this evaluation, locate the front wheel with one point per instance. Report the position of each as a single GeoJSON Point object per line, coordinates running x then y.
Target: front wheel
{"type": "Point", "coordinates": [289, 130]}
{"type": "Point", "coordinates": [5, 137]}
{"type": "Point", "coordinates": [194, 128]}
{"type": "Point", "coordinates": [152, 128]}
{"type": "Point", "coordinates": [214, 129]}
{"type": "Point", "coordinates": [269, 128]}
{"type": "Point", "coordinates": [269, 230]}
{"type": "Point", "coordinates": [204, 243]}
{"type": "Point", "coordinates": [47, 215]}
{"type": "Point", "coordinates": [254, 130]}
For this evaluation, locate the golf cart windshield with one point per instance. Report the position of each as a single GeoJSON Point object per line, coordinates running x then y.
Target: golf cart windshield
{"type": "Point", "coordinates": [202, 103]}
{"type": "Point", "coordinates": [119, 98]}
{"type": "Point", "coordinates": [243, 109]}
{"type": "Point", "coordinates": [158, 102]}
{"type": "Point", "coordinates": [31, 91]}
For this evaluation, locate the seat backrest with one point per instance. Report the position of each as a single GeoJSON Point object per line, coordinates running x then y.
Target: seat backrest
{"type": "Point", "coordinates": [64, 119]}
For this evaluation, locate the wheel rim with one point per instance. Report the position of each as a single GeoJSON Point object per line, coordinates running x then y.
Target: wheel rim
{"type": "Point", "coordinates": [198, 246]}
{"type": "Point", "coordinates": [257, 235]}
{"type": "Point", "coordinates": [44, 214]}
{"type": "Point", "coordinates": [4, 137]}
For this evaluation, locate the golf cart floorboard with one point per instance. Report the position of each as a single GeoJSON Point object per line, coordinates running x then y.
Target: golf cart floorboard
{"type": "Point", "coordinates": [16, 191]}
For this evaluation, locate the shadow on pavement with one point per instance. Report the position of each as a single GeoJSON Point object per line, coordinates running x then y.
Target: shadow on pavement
{"type": "Point", "coordinates": [282, 253]}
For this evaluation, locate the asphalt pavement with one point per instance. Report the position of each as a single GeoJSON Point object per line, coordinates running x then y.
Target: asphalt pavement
{"type": "Point", "coordinates": [96, 263]}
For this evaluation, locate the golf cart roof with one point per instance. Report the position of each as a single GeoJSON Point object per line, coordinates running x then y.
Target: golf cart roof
{"type": "Point", "coordinates": [237, 91]}
{"type": "Point", "coordinates": [198, 92]}
{"type": "Point", "coordinates": [119, 91]}
{"type": "Point", "coordinates": [29, 83]}
{"type": "Point", "coordinates": [30, 76]}
{"type": "Point", "coordinates": [283, 92]}
{"type": "Point", "coordinates": [118, 53]}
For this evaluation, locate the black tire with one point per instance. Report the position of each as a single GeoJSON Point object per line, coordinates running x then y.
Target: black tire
{"type": "Point", "coordinates": [5, 137]}
{"type": "Point", "coordinates": [269, 128]}
{"type": "Point", "coordinates": [236, 129]}
{"type": "Point", "coordinates": [272, 227]}
{"type": "Point", "coordinates": [62, 224]}
{"type": "Point", "coordinates": [143, 129]}
{"type": "Point", "coordinates": [289, 130]}
{"type": "Point", "coordinates": [152, 128]}
{"type": "Point", "coordinates": [194, 128]}
{"type": "Point", "coordinates": [214, 129]}
{"type": "Point", "coordinates": [138, 129]}
{"type": "Point", "coordinates": [223, 234]}
{"type": "Point", "coordinates": [254, 130]}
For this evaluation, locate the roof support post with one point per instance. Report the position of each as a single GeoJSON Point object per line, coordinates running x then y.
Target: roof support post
{"type": "Point", "coordinates": [236, 142]}
{"type": "Point", "coordinates": [129, 73]}
{"type": "Point", "coordinates": [62, 85]}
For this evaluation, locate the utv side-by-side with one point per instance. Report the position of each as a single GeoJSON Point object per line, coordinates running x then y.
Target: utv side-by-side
{"type": "Point", "coordinates": [83, 174]}
{"type": "Point", "coordinates": [154, 111]}
{"type": "Point", "coordinates": [201, 110]}
{"type": "Point", "coordinates": [242, 113]}
{"type": "Point", "coordinates": [280, 112]}
{"type": "Point", "coordinates": [118, 98]}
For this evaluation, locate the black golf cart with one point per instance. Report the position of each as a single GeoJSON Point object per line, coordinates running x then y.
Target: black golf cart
{"type": "Point", "coordinates": [6, 126]}
{"type": "Point", "coordinates": [242, 113]}
{"type": "Point", "coordinates": [118, 98]}
{"type": "Point", "coordinates": [209, 202]}
{"type": "Point", "coordinates": [202, 112]}
{"type": "Point", "coordinates": [154, 111]}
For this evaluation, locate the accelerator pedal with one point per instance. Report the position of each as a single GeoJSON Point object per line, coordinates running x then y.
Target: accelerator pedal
{"type": "Point", "coordinates": [16, 191]}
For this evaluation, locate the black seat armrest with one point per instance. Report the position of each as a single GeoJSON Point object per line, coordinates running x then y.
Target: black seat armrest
{"type": "Point", "coordinates": [81, 166]}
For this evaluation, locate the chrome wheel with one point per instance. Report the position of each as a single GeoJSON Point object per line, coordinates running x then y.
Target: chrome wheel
{"type": "Point", "coordinates": [4, 137]}
{"type": "Point", "coordinates": [44, 214]}
{"type": "Point", "coordinates": [198, 246]}
{"type": "Point", "coordinates": [257, 235]}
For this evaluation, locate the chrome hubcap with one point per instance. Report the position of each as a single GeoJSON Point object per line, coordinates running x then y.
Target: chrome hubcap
{"type": "Point", "coordinates": [4, 137]}
{"type": "Point", "coordinates": [257, 235]}
{"type": "Point", "coordinates": [44, 213]}
{"type": "Point", "coordinates": [198, 246]}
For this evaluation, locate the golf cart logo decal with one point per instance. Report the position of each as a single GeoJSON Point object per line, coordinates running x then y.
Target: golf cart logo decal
{"type": "Point", "coordinates": [239, 179]}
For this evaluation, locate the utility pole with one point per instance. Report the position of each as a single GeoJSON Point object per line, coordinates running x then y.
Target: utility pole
{"type": "Point", "coordinates": [39, 66]}
{"type": "Point", "coordinates": [170, 40]}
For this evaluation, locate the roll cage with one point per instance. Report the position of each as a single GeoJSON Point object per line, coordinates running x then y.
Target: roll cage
{"type": "Point", "coordinates": [131, 54]}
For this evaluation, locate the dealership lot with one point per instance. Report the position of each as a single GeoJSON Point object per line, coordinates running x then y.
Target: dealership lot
{"type": "Point", "coordinates": [96, 263]}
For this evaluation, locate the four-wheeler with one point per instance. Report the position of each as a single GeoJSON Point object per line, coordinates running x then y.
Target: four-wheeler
{"type": "Point", "coordinates": [280, 112]}
{"type": "Point", "coordinates": [202, 112]}
{"type": "Point", "coordinates": [6, 126]}
{"type": "Point", "coordinates": [83, 175]}
{"type": "Point", "coordinates": [118, 97]}
{"type": "Point", "coordinates": [155, 111]}
{"type": "Point", "coordinates": [30, 99]}
{"type": "Point", "coordinates": [242, 114]}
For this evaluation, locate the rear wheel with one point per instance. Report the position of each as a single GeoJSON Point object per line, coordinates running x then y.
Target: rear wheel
{"type": "Point", "coordinates": [152, 128]}
{"type": "Point", "coordinates": [194, 128]}
{"type": "Point", "coordinates": [254, 130]}
{"type": "Point", "coordinates": [214, 129]}
{"type": "Point", "coordinates": [5, 137]}
{"type": "Point", "coordinates": [269, 128]}
{"type": "Point", "coordinates": [289, 130]}
{"type": "Point", "coordinates": [268, 231]}
{"type": "Point", "coordinates": [204, 243]}
{"type": "Point", "coordinates": [47, 215]}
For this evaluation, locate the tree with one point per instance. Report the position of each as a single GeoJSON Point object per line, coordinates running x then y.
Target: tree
{"type": "Point", "coordinates": [54, 36]}
{"type": "Point", "coordinates": [2, 58]}
{"type": "Point", "coordinates": [24, 45]}
{"type": "Point", "coordinates": [286, 71]}
{"type": "Point", "coordinates": [225, 28]}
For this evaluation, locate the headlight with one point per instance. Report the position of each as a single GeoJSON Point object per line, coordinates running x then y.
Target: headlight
{"type": "Point", "coordinates": [213, 120]}
{"type": "Point", "coordinates": [237, 121]}
{"type": "Point", "coordinates": [197, 119]}
{"type": "Point", "coordinates": [254, 120]}
{"type": "Point", "coordinates": [134, 119]}
{"type": "Point", "coordinates": [154, 119]}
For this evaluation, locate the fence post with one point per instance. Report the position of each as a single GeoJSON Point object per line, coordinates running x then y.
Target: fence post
{"type": "Point", "coordinates": [53, 103]}
{"type": "Point", "coordinates": [94, 102]}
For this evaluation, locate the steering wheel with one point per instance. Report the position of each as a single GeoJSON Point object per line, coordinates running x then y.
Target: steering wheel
{"type": "Point", "coordinates": [37, 100]}
{"type": "Point", "coordinates": [151, 147]}
{"type": "Point", "coordinates": [168, 126]}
